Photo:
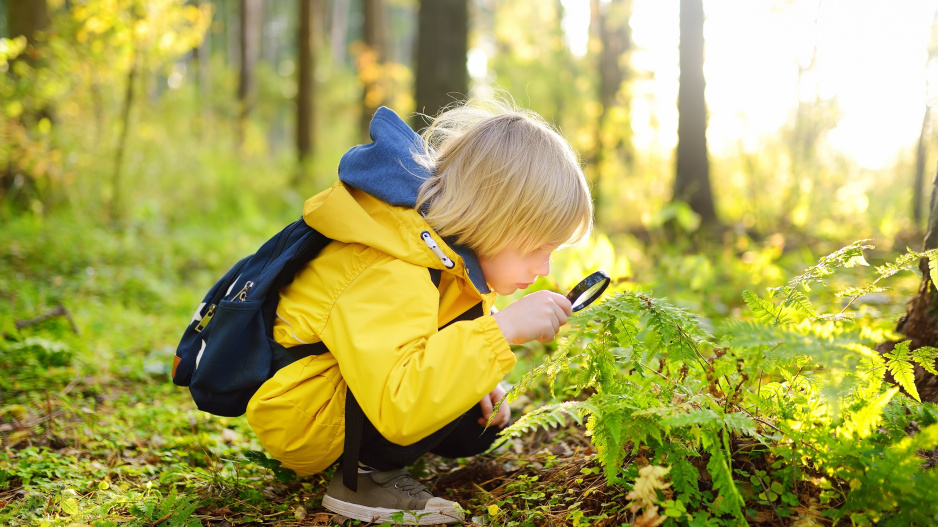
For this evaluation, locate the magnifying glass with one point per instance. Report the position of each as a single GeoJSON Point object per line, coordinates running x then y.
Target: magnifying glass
{"type": "Point", "coordinates": [588, 290]}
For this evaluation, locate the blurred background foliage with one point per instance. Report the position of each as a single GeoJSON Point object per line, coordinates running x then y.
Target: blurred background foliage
{"type": "Point", "coordinates": [145, 145]}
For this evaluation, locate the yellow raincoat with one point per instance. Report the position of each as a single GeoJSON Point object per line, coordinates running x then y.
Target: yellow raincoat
{"type": "Point", "coordinates": [369, 297]}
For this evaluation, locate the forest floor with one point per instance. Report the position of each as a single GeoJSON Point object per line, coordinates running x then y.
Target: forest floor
{"type": "Point", "coordinates": [106, 451]}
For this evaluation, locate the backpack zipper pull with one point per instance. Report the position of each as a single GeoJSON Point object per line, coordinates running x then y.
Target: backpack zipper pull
{"type": "Point", "coordinates": [206, 319]}
{"type": "Point", "coordinates": [243, 293]}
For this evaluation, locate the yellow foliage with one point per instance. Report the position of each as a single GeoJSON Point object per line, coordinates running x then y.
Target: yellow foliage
{"type": "Point", "coordinates": [647, 484]}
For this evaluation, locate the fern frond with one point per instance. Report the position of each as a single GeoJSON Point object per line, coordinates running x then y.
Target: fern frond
{"type": "Point", "coordinates": [800, 303]}
{"type": "Point", "coordinates": [765, 312]}
{"type": "Point", "coordinates": [925, 357]}
{"type": "Point", "coordinates": [848, 256]}
{"type": "Point", "coordinates": [741, 424]}
{"type": "Point", "coordinates": [547, 416]}
{"type": "Point", "coordinates": [695, 417]}
{"type": "Point", "coordinates": [908, 262]}
{"type": "Point", "coordinates": [837, 318]}
{"type": "Point", "coordinates": [859, 291]}
{"type": "Point", "coordinates": [900, 366]}
{"type": "Point", "coordinates": [722, 476]}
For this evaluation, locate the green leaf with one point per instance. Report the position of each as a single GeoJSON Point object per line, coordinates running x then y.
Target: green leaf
{"type": "Point", "coordinates": [763, 311]}
{"type": "Point", "coordinates": [70, 506]}
{"type": "Point", "coordinates": [925, 356]}
{"type": "Point", "coordinates": [697, 416]}
{"type": "Point", "coordinates": [902, 369]}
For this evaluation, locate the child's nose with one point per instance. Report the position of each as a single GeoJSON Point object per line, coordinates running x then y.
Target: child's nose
{"type": "Point", "coordinates": [542, 268]}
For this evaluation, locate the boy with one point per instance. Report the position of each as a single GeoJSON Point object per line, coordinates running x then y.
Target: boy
{"type": "Point", "coordinates": [482, 200]}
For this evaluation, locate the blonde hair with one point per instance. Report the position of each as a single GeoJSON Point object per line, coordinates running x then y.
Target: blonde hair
{"type": "Point", "coordinates": [502, 176]}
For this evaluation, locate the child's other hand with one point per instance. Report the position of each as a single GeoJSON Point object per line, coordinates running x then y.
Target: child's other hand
{"type": "Point", "coordinates": [537, 316]}
{"type": "Point", "coordinates": [488, 403]}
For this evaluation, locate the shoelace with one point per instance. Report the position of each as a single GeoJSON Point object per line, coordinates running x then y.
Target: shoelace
{"type": "Point", "coordinates": [409, 485]}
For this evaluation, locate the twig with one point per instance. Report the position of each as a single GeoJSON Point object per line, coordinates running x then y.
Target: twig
{"type": "Point", "coordinates": [58, 311]}
{"type": "Point", "coordinates": [161, 520]}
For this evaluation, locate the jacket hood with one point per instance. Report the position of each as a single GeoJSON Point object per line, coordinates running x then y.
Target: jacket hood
{"type": "Point", "coordinates": [385, 169]}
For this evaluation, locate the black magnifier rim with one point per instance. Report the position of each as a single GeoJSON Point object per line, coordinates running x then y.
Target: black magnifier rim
{"type": "Point", "coordinates": [585, 285]}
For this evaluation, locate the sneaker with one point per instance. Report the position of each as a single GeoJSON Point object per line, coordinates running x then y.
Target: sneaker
{"type": "Point", "coordinates": [381, 494]}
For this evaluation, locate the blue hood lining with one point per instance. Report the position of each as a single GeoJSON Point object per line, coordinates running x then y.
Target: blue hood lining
{"type": "Point", "coordinates": [386, 169]}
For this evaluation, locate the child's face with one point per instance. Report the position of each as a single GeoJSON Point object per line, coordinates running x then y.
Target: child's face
{"type": "Point", "coordinates": [512, 269]}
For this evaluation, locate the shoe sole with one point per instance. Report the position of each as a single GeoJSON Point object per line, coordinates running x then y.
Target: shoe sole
{"type": "Point", "coordinates": [380, 514]}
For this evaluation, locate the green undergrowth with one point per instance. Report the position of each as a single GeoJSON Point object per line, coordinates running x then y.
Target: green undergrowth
{"type": "Point", "coordinates": [768, 409]}
{"type": "Point", "coordinates": [784, 411]}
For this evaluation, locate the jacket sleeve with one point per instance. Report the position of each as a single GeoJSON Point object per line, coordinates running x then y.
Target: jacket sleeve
{"type": "Point", "coordinates": [409, 378]}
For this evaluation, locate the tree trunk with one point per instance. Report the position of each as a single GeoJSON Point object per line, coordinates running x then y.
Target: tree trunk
{"type": "Point", "coordinates": [24, 18]}
{"type": "Point", "coordinates": [692, 179]}
{"type": "Point", "coordinates": [305, 84]}
{"type": "Point", "coordinates": [920, 322]}
{"type": "Point", "coordinates": [27, 18]}
{"type": "Point", "coordinates": [371, 63]}
{"type": "Point", "coordinates": [250, 48]}
{"type": "Point", "coordinates": [920, 153]}
{"type": "Point", "coordinates": [203, 55]}
{"type": "Point", "coordinates": [609, 23]}
{"type": "Point", "coordinates": [338, 33]}
{"type": "Point", "coordinates": [442, 44]}
{"type": "Point", "coordinates": [115, 207]}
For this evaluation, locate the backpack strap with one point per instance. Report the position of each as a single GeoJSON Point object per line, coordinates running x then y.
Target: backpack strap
{"type": "Point", "coordinates": [355, 417]}
{"type": "Point", "coordinates": [354, 428]}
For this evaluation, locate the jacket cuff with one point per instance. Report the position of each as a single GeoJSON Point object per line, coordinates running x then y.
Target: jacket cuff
{"type": "Point", "coordinates": [497, 342]}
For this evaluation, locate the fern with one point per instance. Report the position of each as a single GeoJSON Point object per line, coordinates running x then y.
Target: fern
{"type": "Point", "coordinates": [547, 416]}
{"type": "Point", "coordinates": [803, 383]}
{"type": "Point", "coordinates": [900, 366]}
{"type": "Point", "coordinates": [719, 468]}
{"type": "Point", "coordinates": [848, 256]}
{"type": "Point", "coordinates": [859, 291]}
{"type": "Point", "coordinates": [172, 510]}
{"type": "Point", "coordinates": [800, 303]}
{"type": "Point", "coordinates": [925, 357]}
{"type": "Point", "coordinates": [766, 312]}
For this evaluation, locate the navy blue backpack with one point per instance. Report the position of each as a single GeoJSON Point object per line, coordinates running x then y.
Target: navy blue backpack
{"type": "Point", "coordinates": [227, 351]}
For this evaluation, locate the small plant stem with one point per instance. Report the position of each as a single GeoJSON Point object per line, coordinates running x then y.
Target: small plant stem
{"type": "Point", "coordinates": [48, 432]}
{"type": "Point", "coordinates": [854, 299]}
{"type": "Point", "coordinates": [793, 380]}
{"type": "Point", "coordinates": [759, 390]}
{"type": "Point", "coordinates": [781, 306]}
{"type": "Point", "coordinates": [771, 502]}
{"type": "Point", "coordinates": [161, 520]}
{"type": "Point", "coordinates": [794, 464]}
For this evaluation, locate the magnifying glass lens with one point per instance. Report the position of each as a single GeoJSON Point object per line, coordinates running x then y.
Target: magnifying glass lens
{"type": "Point", "coordinates": [588, 290]}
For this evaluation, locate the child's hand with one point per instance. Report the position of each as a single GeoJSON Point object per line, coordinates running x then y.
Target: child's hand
{"type": "Point", "coordinates": [537, 316]}
{"type": "Point", "coordinates": [488, 402]}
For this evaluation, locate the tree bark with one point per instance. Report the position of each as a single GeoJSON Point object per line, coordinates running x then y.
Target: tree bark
{"type": "Point", "coordinates": [250, 48]}
{"type": "Point", "coordinates": [24, 18]}
{"type": "Point", "coordinates": [305, 83]}
{"type": "Point", "coordinates": [27, 18]}
{"type": "Point", "coordinates": [442, 44]}
{"type": "Point", "coordinates": [920, 153]}
{"type": "Point", "coordinates": [371, 62]}
{"type": "Point", "coordinates": [920, 322]}
{"type": "Point", "coordinates": [609, 23]}
{"type": "Point", "coordinates": [203, 55]}
{"type": "Point", "coordinates": [692, 179]}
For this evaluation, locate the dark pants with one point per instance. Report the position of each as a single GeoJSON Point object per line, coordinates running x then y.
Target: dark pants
{"type": "Point", "coordinates": [461, 438]}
